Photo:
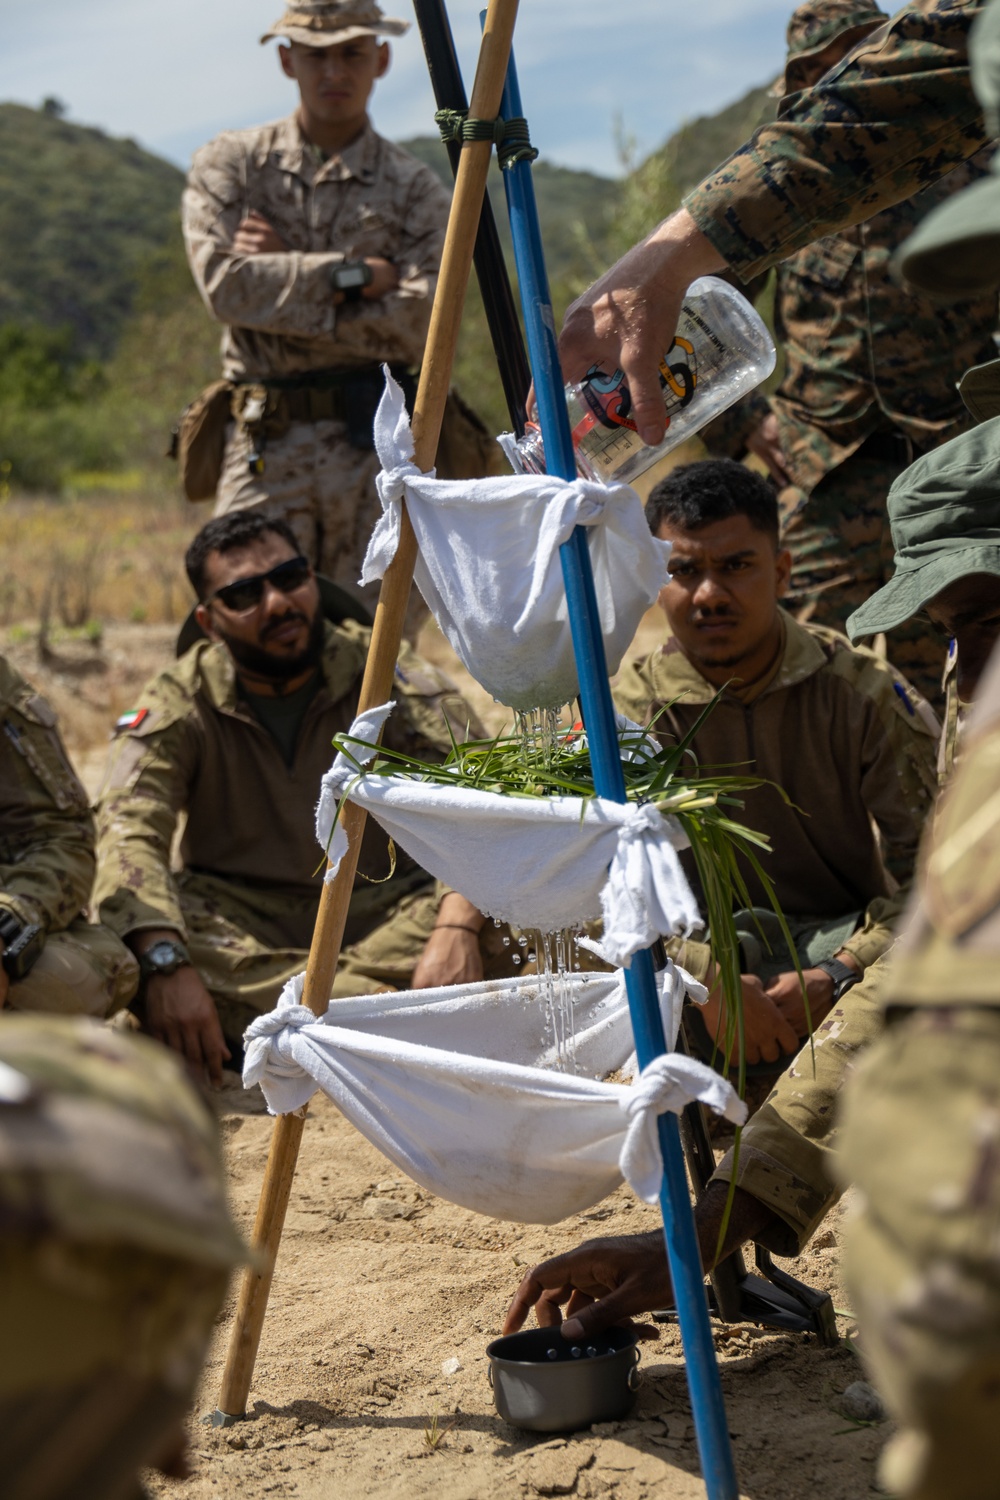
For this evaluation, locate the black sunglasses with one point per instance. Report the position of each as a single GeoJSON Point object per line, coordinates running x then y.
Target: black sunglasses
{"type": "Point", "coordinates": [246, 593]}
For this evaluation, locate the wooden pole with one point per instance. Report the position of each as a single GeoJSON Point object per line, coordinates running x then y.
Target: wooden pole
{"type": "Point", "coordinates": [328, 934]}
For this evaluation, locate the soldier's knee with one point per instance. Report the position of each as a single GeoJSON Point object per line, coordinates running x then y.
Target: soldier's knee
{"type": "Point", "coordinates": [84, 971]}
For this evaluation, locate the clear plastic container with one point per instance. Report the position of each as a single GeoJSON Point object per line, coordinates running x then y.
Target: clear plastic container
{"type": "Point", "coordinates": [721, 351]}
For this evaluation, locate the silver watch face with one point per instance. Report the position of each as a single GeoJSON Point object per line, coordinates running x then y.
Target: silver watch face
{"type": "Point", "coordinates": [349, 277]}
{"type": "Point", "coordinates": [164, 957]}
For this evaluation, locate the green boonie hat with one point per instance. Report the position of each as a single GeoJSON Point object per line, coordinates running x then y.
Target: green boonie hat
{"type": "Point", "coordinates": [814, 26]}
{"type": "Point", "coordinates": [326, 23]}
{"type": "Point", "coordinates": [945, 516]}
{"type": "Point", "coordinates": [955, 252]}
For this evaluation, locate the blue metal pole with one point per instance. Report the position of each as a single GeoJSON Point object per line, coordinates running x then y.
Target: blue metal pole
{"type": "Point", "coordinates": [598, 711]}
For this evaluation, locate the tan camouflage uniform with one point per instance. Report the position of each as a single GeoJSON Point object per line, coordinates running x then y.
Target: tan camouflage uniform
{"type": "Point", "coordinates": [920, 1138]}
{"type": "Point", "coordinates": [870, 382]}
{"type": "Point", "coordinates": [850, 743]}
{"type": "Point", "coordinates": [47, 864]}
{"type": "Point", "coordinates": [371, 200]}
{"type": "Point", "coordinates": [245, 896]}
{"type": "Point", "coordinates": [116, 1250]}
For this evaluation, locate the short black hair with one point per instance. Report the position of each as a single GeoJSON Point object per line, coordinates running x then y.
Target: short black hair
{"type": "Point", "coordinates": [695, 495]}
{"type": "Point", "coordinates": [237, 528]}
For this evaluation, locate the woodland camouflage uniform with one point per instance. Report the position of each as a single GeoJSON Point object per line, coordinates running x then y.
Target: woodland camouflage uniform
{"type": "Point", "coordinates": [870, 380]}
{"type": "Point", "coordinates": [245, 899]}
{"type": "Point", "coordinates": [47, 864]}
{"type": "Point", "coordinates": [116, 1251]}
{"type": "Point", "coordinates": [373, 199]}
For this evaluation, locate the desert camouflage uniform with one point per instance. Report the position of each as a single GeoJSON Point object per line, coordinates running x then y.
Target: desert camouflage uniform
{"type": "Point", "coordinates": [371, 200]}
{"type": "Point", "coordinates": [921, 1139]}
{"type": "Point", "coordinates": [47, 864]}
{"type": "Point", "coordinates": [245, 897]}
{"type": "Point", "coordinates": [116, 1250]}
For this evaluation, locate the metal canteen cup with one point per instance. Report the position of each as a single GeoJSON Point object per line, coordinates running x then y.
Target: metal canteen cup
{"type": "Point", "coordinates": [543, 1382]}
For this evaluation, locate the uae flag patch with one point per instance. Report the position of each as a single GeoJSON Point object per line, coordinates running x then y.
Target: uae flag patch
{"type": "Point", "coordinates": [131, 719]}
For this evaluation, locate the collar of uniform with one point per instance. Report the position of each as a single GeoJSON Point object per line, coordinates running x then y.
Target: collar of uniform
{"type": "Point", "coordinates": [342, 664]}
{"type": "Point", "coordinates": [676, 677]}
{"type": "Point", "coordinates": [293, 153]}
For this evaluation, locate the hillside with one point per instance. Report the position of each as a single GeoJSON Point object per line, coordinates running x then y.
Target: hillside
{"type": "Point", "coordinates": [103, 338]}
{"type": "Point", "coordinates": [79, 211]}
{"type": "Point", "coordinates": [566, 198]}
{"type": "Point", "coordinates": [703, 143]}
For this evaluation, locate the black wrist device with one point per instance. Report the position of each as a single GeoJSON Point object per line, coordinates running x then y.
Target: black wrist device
{"type": "Point", "coordinates": [843, 976]}
{"type": "Point", "coordinates": [22, 945]}
{"type": "Point", "coordinates": [350, 278]}
{"type": "Point", "coordinates": [163, 957]}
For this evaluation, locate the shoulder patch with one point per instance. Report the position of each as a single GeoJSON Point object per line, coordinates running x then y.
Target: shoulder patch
{"type": "Point", "coordinates": [131, 719]}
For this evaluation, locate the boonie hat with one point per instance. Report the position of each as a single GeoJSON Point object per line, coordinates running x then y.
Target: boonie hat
{"type": "Point", "coordinates": [814, 26]}
{"type": "Point", "coordinates": [945, 516]}
{"type": "Point", "coordinates": [326, 23]}
{"type": "Point", "coordinates": [955, 251]}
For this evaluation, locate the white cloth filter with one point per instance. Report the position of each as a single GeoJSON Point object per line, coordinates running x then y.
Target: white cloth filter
{"type": "Point", "coordinates": [489, 570]}
{"type": "Point", "coordinates": [546, 862]}
{"type": "Point", "coordinates": [455, 1087]}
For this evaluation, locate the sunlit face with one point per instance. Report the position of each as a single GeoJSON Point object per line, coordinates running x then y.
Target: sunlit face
{"type": "Point", "coordinates": [969, 611]}
{"type": "Point", "coordinates": [335, 83]}
{"type": "Point", "coordinates": [725, 582]}
{"type": "Point", "coordinates": [281, 635]}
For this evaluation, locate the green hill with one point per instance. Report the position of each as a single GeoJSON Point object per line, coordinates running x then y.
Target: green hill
{"type": "Point", "coordinates": [79, 211]}
{"type": "Point", "coordinates": [103, 338]}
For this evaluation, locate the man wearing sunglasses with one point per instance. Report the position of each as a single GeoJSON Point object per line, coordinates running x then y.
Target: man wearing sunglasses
{"type": "Point", "coordinates": [236, 737]}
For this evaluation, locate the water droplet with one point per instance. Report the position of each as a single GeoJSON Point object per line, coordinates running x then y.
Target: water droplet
{"type": "Point", "coordinates": [532, 957]}
{"type": "Point", "coordinates": [506, 942]}
{"type": "Point", "coordinates": [497, 922]}
{"type": "Point", "coordinates": [592, 1352]}
{"type": "Point", "coordinates": [552, 1353]}
{"type": "Point", "coordinates": [516, 959]}
{"type": "Point", "coordinates": [522, 941]}
{"type": "Point", "coordinates": [576, 1351]}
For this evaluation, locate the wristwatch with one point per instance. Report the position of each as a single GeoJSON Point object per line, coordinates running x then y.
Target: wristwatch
{"type": "Point", "coordinates": [351, 277]}
{"type": "Point", "coordinates": [843, 975]}
{"type": "Point", "coordinates": [22, 945]}
{"type": "Point", "coordinates": [163, 957]}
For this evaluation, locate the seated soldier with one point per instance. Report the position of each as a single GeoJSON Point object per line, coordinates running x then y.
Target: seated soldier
{"type": "Point", "coordinates": [51, 957]}
{"type": "Point", "coordinates": [849, 743]}
{"type": "Point", "coordinates": [236, 736]}
{"type": "Point", "coordinates": [945, 513]}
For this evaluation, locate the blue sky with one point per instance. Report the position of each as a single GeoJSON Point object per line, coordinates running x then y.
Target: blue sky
{"type": "Point", "coordinates": [172, 75]}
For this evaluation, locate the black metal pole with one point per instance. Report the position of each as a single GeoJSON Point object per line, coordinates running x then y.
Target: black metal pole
{"type": "Point", "coordinates": [491, 269]}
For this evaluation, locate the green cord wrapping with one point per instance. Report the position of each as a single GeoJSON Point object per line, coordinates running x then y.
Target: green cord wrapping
{"type": "Point", "coordinates": [509, 136]}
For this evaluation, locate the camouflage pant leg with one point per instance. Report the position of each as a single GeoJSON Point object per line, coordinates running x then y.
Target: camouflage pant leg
{"type": "Point", "coordinates": [842, 552]}
{"type": "Point", "coordinates": [322, 486]}
{"type": "Point", "coordinates": [786, 1151]}
{"type": "Point", "coordinates": [921, 1139]}
{"type": "Point", "coordinates": [85, 970]}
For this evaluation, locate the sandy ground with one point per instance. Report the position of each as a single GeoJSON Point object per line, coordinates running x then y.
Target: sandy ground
{"type": "Point", "coordinates": [378, 1285]}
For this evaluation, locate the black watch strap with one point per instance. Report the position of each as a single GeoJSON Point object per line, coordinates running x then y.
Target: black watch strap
{"type": "Point", "coordinates": [843, 976]}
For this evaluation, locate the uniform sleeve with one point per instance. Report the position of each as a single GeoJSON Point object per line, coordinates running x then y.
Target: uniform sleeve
{"type": "Point", "coordinates": [145, 788]}
{"type": "Point", "coordinates": [288, 293]}
{"type": "Point", "coordinates": [899, 757]}
{"type": "Point", "coordinates": [898, 113]}
{"type": "Point", "coordinates": [366, 328]}
{"type": "Point", "coordinates": [46, 876]}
